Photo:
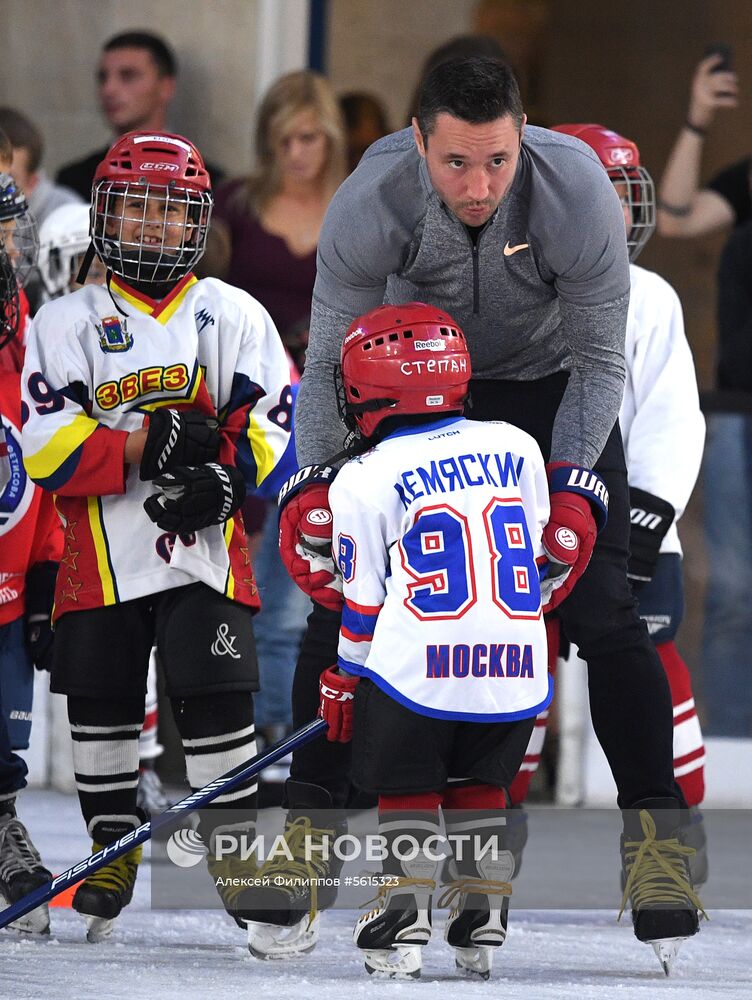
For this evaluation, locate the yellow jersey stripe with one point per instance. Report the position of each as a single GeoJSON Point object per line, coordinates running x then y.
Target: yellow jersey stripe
{"type": "Point", "coordinates": [173, 306]}
{"type": "Point", "coordinates": [229, 532]}
{"type": "Point", "coordinates": [263, 454]}
{"type": "Point", "coordinates": [106, 578]}
{"type": "Point", "coordinates": [60, 447]}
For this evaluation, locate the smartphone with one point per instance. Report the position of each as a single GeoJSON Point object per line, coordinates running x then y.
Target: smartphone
{"type": "Point", "coordinates": [724, 50]}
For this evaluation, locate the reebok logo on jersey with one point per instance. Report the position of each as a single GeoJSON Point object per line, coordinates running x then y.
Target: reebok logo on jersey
{"type": "Point", "coordinates": [224, 644]}
{"type": "Point", "coordinates": [509, 250]}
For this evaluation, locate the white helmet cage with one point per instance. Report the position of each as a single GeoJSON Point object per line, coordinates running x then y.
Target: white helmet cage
{"type": "Point", "coordinates": [639, 197]}
{"type": "Point", "coordinates": [171, 224]}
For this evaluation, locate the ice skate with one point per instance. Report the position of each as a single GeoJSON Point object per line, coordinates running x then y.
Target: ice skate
{"type": "Point", "coordinates": [21, 871]}
{"type": "Point", "coordinates": [477, 922]}
{"type": "Point", "coordinates": [283, 921]}
{"type": "Point", "coordinates": [227, 870]}
{"type": "Point", "coordinates": [658, 882]}
{"type": "Point", "coordinates": [101, 897]}
{"type": "Point", "coordinates": [393, 934]}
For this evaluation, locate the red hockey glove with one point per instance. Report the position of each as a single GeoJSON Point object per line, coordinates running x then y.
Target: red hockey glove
{"type": "Point", "coordinates": [336, 708]}
{"type": "Point", "coordinates": [579, 509]}
{"type": "Point", "coordinates": [305, 535]}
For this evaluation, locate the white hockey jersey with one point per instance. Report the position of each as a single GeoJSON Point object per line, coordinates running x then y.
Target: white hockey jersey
{"type": "Point", "coordinates": [436, 533]}
{"type": "Point", "coordinates": [661, 423]}
{"type": "Point", "coordinates": [95, 366]}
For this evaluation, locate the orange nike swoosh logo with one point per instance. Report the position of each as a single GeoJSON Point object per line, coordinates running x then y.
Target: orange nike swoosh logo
{"type": "Point", "coordinates": [508, 251]}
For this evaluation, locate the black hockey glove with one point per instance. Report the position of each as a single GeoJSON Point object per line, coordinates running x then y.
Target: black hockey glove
{"type": "Point", "coordinates": [651, 518]}
{"type": "Point", "coordinates": [40, 596]}
{"type": "Point", "coordinates": [178, 438]}
{"type": "Point", "coordinates": [195, 498]}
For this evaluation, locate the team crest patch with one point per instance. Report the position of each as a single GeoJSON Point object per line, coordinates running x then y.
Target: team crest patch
{"type": "Point", "coordinates": [114, 335]}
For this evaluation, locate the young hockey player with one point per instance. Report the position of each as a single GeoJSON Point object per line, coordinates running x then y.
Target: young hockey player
{"type": "Point", "coordinates": [442, 652]}
{"type": "Point", "coordinates": [30, 548]}
{"type": "Point", "coordinates": [153, 403]}
{"type": "Point", "coordinates": [63, 241]}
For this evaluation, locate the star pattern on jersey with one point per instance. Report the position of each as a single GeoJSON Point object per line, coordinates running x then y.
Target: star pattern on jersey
{"type": "Point", "coordinates": [70, 559]}
{"type": "Point", "coordinates": [246, 555]}
{"type": "Point", "coordinates": [70, 531]}
{"type": "Point", "coordinates": [73, 594]}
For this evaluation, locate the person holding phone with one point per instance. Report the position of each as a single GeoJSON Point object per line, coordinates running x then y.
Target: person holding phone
{"type": "Point", "coordinates": [684, 208]}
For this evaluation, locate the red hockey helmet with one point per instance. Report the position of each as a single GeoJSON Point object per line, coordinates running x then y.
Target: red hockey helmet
{"type": "Point", "coordinates": [406, 359]}
{"type": "Point", "coordinates": [151, 205]}
{"type": "Point", "coordinates": [621, 158]}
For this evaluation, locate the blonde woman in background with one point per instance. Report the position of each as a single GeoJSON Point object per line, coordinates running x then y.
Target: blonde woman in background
{"type": "Point", "coordinates": [271, 220]}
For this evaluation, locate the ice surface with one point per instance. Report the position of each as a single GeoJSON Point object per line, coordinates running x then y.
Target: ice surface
{"type": "Point", "coordinates": [583, 955]}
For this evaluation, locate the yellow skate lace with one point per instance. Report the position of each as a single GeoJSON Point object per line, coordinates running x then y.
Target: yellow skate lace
{"type": "Point", "coordinates": [395, 882]}
{"type": "Point", "coordinates": [455, 890]}
{"type": "Point", "coordinates": [657, 873]}
{"type": "Point", "coordinates": [284, 872]}
{"type": "Point", "coordinates": [119, 875]}
{"type": "Point", "coordinates": [231, 868]}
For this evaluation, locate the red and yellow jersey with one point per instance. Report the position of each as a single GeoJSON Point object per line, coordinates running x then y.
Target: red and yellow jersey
{"type": "Point", "coordinates": [97, 363]}
{"type": "Point", "coordinates": [30, 530]}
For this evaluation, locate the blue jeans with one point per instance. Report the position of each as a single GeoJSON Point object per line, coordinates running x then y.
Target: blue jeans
{"type": "Point", "coordinates": [727, 636]}
{"type": "Point", "coordinates": [279, 629]}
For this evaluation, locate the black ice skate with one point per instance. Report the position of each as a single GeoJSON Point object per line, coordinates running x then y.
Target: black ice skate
{"type": "Point", "coordinates": [101, 896]}
{"type": "Point", "coordinates": [658, 883]}
{"type": "Point", "coordinates": [21, 871]}
{"type": "Point", "coordinates": [231, 871]}
{"type": "Point", "coordinates": [479, 893]}
{"type": "Point", "coordinates": [394, 933]}
{"type": "Point", "coordinates": [284, 920]}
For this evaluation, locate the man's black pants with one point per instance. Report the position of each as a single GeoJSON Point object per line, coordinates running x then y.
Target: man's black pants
{"type": "Point", "coordinates": [630, 701]}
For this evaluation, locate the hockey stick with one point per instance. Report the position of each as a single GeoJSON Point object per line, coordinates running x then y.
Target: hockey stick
{"type": "Point", "coordinates": [196, 800]}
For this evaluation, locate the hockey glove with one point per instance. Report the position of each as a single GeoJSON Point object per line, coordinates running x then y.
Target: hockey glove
{"type": "Point", "coordinates": [178, 438]}
{"type": "Point", "coordinates": [305, 535]}
{"type": "Point", "coordinates": [651, 518]}
{"type": "Point", "coordinates": [194, 498]}
{"type": "Point", "coordinates": [579, 509]}
{"type": "Point", "coordinates": [337, 697]}
{"type": "Point", "coordinates": [40, 596]}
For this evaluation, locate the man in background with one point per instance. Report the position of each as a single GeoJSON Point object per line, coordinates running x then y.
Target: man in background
{"type": "Point", "coordinates": [136, 82]}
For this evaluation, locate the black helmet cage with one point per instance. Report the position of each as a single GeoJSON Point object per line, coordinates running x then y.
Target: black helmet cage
{"type": "Point", "coordinates": [10, 311]}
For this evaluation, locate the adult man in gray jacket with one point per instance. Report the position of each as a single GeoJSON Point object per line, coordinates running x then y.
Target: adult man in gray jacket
{"type": "Point", "coordinates": [517, 233]}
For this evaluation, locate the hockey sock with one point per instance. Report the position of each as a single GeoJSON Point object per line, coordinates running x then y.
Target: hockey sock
{"type": "Point", "coordinates": [475, 824]}
{"type": "Point", "coordinates": [218, 734]}
{"type": "Point", "coordinates": [689, 751]}
{"type": "Point", "coordinates": [520, 787]}
{"type": "Point", "coordinates": [473, 795]}
{"type": "Point", "coordinates": [105, 761]}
